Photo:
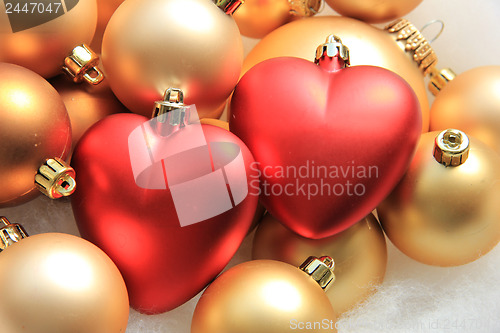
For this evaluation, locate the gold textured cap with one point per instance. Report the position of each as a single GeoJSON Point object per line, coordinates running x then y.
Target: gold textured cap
{"type": "Point", "coordinates": [411, 41]}
{"type": "Point", "coordinates": [10, 233]}
{"type": "Point", "coordinates": [451, 147]}
{"type": "Point", "coordinates": [55, 178]}
{"type": "Point", "coordinates": [81, 63]}
{"type": "Point", "coordinates": [333, 47]}
{"type": "Point", "coordinates": [228, 6]}
{"type": "Point", "coordinates": [439, 79]}
{"type": "Point", "coordinates": [304, 7]}
{"type": "Point", "coordinates": [320, 270]}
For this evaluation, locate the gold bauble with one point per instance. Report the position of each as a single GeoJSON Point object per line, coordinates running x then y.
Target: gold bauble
{"type": "Point", "coordinates": [86, 104]}
{"type": "Point", "coordinates": [41, 41]}
{"type": "Point", "coordinates": [360, 255]}
{"type": "Point", "coordinates": [367, 46]}
{"type": "Point", "coordinates": [445, 215]}
{"type": "Point", "coordinates": [373, 11]}
{"type": "Point", "coordinates": [58, 283]}
{"type": "Point", "coordinates": [153, 45]}
{"type": "Point", "coordinates": [471, 103]}
{"type": "Point", "coordinates": [257, 18]}
{"type": "Point", "coordinates": [34, 126]}
{"type": "Point", "coordinates": [105, 9]}
{"type": "Point", "coordinates": [264, 296]}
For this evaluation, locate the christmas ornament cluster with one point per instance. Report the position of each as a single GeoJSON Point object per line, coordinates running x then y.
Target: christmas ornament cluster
{"type": "Point", "coordinates": [165, 150]}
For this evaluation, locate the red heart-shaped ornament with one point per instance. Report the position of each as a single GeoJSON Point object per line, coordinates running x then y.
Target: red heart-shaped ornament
{"type": "Point", "coordinates": [330, 141]}
{"type": "Point", "coordinates": [141, 207]}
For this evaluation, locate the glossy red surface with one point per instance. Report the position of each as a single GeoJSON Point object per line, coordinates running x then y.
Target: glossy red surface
{"type": "Point", "coordinates": [163, 264]}
{"type": "Point", "coordinates": [330, 142]}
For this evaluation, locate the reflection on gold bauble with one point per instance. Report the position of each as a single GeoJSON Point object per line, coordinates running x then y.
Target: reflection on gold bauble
{"type": "Point", "coordinates": [373, 11]}
{"type": "Point", "coordinates": [264, 296]}
{"type": "Point", "coordinates": [150, 46]}
{"type": "Point", "coordinates": [34, 126]}
{"type": "Point", "coordinates": [360, 255]}
{"type": "Point", "coordinates": [471, 103]}
{"type": "Point", "coordinates": [86, 104]}
{"type": "Point", "coordinates": [257, 18]}
{"type": "Point", "coordinates": [367, 45]}
{"type": "Point", "coordinates": [58, 283]}
{"type": "Point", "coordinates": [445, 215]}
{"type": "Point", "coordinates": [43, 47]}
{"type": "Point", "coordinates": [105, 9]}
{"type": "Point", "coordinates": [215, 122]}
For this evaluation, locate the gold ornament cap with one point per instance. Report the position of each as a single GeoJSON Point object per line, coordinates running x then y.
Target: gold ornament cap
{"type": "Point", "coordinates": [305, 8]}
{"type": "Point", "coordinates": [439, 79]}
{"type": "Point", "coordinates": [56, 179]}
{"type": "Point", "coordinates": [229, 6]}
{"type": "Point", "coordinates": [81, 63]}
{"type": "Point", "coordinates": [451, 147]}
{"type": "Point", "coordinates": [411, 41]}
{"type": "Point", "coordinates": [171, 114]}
{"type": "Point", "coordinates": [333, 47]}
{"type": "Point", "coordinates": [10, 233]}
{"type": "Point", "coordinates": [320, 270]}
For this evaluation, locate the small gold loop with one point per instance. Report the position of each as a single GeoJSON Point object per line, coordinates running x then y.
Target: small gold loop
{"type": "Point", "coordinates": [431, 23]}
{"type": "Point", "coordinates": [94, 80]}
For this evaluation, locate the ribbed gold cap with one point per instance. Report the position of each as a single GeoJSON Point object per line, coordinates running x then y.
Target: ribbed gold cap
{"type": "Point", "coordinates": [320, 270]}
{"type": "Point", "coordinates": [451, 147]}
{"type": "Point", "coordinates": [439, 79]}
{"type": "Point", "coordinates": [332, 47]}
{"type": "Point", "coordinates": [304, 7]}
{"type": "Point", "coordinates": [10, 233]}
{"type": "Point", "coordinates": [411, 41]}
{"type": "Point", "coordinates": [228, 6]}
{"type": "Point", "coordinates": [81, 63]}
{"type": "Point", "coordinates": [55, 178]}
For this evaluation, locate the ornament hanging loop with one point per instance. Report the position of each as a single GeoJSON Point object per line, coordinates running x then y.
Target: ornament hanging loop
{"type": "Point", "coordinates": [305, 8]}
{"type": "Point", "coordinates": [320, 270]}
{"type": "Point", "coordinates": [10, 233]}
{"type": "Point", "coordinates": [81, 65]}
{"type": "Point", "coordinates": [431, 23]}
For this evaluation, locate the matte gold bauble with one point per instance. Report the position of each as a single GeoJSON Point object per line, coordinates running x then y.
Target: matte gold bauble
{"type": "Point", "coordinates": [105, 9]}
{"type": "Point", "coordinates": [34, 126]}
{"type": "Point", "coordinates": [373, 11]}
{"type": "Point", "coordinates": [58, 283]}
{"type": "Point", "coordinates": [367, 46]}
{"type": "Point", "coordinates": [189, 44]}
{"type": "Point", "coordinates": [445, 210]}
{"type": "Point", "coordinates": [257, 18]}
{"type": "Point", "coordinates": [471, 103]}
{"type": "Point", "coordinates": [360, 255]}
{"type": "Point", "coordinates": [86, 104]}
{"type": "Point", "coordinates": [264, 296]}
{"type": "Point", "coordinates": [42, 39]}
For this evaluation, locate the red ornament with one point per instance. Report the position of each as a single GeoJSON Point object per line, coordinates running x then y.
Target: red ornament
{"type": "Point", "coordinates": [330, 142]}
{"type": "Point", "coordinates": [164, 264]}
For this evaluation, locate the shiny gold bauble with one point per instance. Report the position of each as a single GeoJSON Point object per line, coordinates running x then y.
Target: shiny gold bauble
{"type": "Point", "coordinates": [34, 126]}
{"type": "Point", "coordinates": [264, 296]}
{"type": "Point", "coordinates": [471, 103]}
{"type": "Point", "coordinates": [58, 283]}
{"type": "Point", "coordinates": [150, 46]}
{"type": "Point", "coordinates": [43, 47]}
{"type": "Point", "coordinates": [445, 215]}
{"type": "Point", "coordinates": [360, 255]}
{"type": "Point", "coordinates": [373, 11]}
{"type": "Point", "coordinates": [367, 46]}
{"type": "Point", "coordinates": [86, 104]}
{"type": "Point", "coordinates": [105, 9]}
{"type": "Point", "coordinates": [257, 18]}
